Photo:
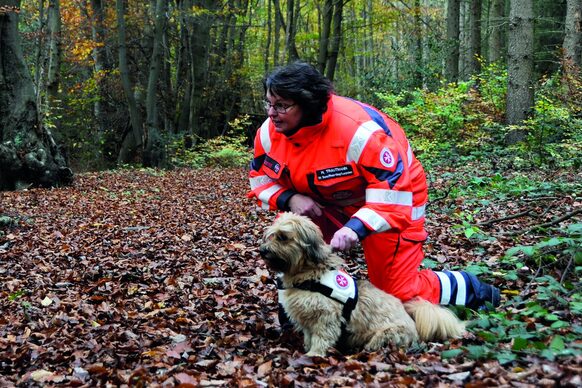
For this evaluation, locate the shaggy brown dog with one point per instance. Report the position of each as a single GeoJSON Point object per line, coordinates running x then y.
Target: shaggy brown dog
{"type": "Point", "coordinates": [294, 246]}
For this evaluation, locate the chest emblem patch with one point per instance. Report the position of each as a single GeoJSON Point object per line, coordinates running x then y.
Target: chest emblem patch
{"type": "Point", "coordinates": [335, 172]}
{"type": "Point", "coordinates": [386, 158]}
{"type": "Point", "coordinates": [341, 281]}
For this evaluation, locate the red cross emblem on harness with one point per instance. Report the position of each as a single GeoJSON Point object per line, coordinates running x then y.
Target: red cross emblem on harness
{"type": "Point", "coordinates": [341, 281]}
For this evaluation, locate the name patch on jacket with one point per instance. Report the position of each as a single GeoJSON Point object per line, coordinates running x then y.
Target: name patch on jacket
{"type": "Point", "coordinates": [272, 164]}
{"type": "Point", "coordinates": [335, 172]}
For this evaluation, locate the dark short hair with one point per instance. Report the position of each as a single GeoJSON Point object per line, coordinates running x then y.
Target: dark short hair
{"type": "Point", "coordinates": [302, 83]}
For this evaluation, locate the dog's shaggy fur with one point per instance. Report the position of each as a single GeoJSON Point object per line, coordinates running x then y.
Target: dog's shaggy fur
{"type": "Point", "coordinates": [294, 246]}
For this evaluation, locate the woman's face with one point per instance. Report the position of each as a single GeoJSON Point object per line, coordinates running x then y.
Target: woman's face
{"type": "Point", "coordinates": [285, 114]}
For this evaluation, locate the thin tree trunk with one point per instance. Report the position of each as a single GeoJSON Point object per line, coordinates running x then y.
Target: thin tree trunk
{"type": "Point", "coordinates": [290, 47]}
{"type": "Point", "coordinates": [520, 65]}
{"type": "Point", "coordinates": [573, 38]}
{"type": "Point", "coordinates": [133, 140]}
{"type": "Point", "coordinates": [474, 37]}
{"type": "Point", "coordinates": [335, 39]}
{"type": "Point", "coordinates": [54, 63]}
{"type": "Point", "coordinates": [99, 58]}
{"type": "Point", "coordinates": [453, 31]}
{"type": "Point", "coordinates": [269, 34]}
{"type": "Point", "coordinates": [496, 23]}
{"type": "Point", "coordinates": [279, 24]}
{"type": "Point", "coordinates": [326, 18]}
{"type": "Point", "coordinates": [154, 155]}
{"type": "Point", "coordinates": [418, 80]}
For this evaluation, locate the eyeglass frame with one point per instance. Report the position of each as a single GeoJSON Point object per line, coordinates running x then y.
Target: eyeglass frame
{"type": "Point", "coordinates": [277, 106]}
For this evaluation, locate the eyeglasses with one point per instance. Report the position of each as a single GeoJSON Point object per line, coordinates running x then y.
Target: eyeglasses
{"type": "Point", "coordinates": [279, 108]}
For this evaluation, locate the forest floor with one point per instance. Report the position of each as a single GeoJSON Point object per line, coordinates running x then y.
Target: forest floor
{"type": "Point", "coordinates": [153, 278]}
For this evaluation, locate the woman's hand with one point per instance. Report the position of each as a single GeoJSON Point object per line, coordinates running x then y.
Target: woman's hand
{"type": "Point", "coordinates": [304, 206]}
{"type": "Point", "coordinates": [344, 239]}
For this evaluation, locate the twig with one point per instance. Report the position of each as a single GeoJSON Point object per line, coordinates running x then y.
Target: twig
{"type": "Point", "coordinates": [566, 269]}
{"type": "Point", "coordinates": [510, 217]}
{"type": "Point", "coordinates": [447, 192]}
{"type": "Point", "coordinates": [526, 290]}
{"type": "Point", "coordinates": [544, 225]}
{"type": "Point", "coordinates": [538, 198]}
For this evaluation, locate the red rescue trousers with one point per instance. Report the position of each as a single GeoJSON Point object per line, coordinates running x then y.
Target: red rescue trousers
{"type": "Point", "coordinates": [393, 261]}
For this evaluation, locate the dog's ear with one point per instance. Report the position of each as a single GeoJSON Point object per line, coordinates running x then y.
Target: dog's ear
{"type": "Point", "coordinates": [312, 240]}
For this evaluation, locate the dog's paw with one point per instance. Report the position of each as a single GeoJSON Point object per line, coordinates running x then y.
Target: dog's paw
{"type": "Point", "coordinates": [313, 353]}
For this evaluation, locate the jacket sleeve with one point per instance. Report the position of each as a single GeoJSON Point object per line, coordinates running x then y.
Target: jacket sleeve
{"type": "Point", "coordinates": [389, 193]}
{"type": "Point", "coordinates": [266, 187]}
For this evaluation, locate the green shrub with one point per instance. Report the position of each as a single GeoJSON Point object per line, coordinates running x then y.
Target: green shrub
{"type": "Point", "coordinates": [229, 150]}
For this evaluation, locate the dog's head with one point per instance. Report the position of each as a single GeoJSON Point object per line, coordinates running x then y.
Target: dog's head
{"type": "Point", "coordinates": [293, 244]}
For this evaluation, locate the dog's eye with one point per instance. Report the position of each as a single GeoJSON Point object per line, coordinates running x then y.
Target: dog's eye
{"type": "Point", "coordinates": [282, 237]}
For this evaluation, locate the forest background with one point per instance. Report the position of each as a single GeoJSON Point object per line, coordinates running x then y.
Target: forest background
{"type": "Point", "coordinates": [488, 91]}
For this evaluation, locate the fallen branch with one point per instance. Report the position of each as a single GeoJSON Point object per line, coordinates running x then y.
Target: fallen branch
{"type": "Point", "coordinates": [544, 225]}
{"type": "Point", "coordinates": [510, 217]}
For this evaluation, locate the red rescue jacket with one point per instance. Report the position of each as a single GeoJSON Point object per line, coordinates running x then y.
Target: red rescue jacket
{"type": "Point", "coordinates": [356, 160]}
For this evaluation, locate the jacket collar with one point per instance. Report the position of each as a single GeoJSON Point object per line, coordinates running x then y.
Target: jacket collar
{"type": "Point", "coordinates": [308, 134]}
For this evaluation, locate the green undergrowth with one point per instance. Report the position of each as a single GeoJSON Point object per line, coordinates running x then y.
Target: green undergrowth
{"type": "Point", "coordinates": [540, 265]}
{"type": "Point", "coordinates": [229, 150]}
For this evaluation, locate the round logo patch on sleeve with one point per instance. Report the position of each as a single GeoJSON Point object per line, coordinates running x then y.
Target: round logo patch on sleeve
{"type": "Point", "coordinates": [386, 158]}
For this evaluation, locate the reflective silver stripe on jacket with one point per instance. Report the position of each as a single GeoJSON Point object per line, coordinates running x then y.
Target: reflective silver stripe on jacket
{"type": "Point", "coordinates": [266, 194]}
{"type": "Point", "coordinates": [264, 134]}
{"type": "Point", "coordinates": [389, 197]}
{"type": "Point", "coordinates": [373, 219]}
{"type": "Point", "coordinates": [260, 181]}
{"type": "Point", "coordinates": [359, 140]}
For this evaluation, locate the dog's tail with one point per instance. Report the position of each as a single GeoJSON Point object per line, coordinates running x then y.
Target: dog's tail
{"type": "Point", "coordinates": [433, 322]}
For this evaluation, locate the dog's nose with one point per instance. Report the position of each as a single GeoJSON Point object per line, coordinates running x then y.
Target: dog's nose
{"type": "Point", "coordinates": [263, 251]}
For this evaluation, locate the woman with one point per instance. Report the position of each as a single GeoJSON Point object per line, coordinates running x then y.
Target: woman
{"type": "Point", "coordinates": [350, 169]}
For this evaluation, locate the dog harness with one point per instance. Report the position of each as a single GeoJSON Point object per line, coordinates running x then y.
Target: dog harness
{"type": "Point", "coordinates": [339, 286]}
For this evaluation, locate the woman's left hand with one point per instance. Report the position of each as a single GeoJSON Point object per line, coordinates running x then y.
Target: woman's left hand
{"type": "Point", "coordinates": [344, 239]}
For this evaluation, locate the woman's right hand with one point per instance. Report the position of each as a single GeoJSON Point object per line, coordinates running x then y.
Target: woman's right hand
{"type": "Point", "coordinates": [304, 206]}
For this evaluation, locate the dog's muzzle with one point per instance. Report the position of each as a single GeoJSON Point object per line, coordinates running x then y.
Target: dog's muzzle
{"type": "Point", "coordinates": [275, 263]}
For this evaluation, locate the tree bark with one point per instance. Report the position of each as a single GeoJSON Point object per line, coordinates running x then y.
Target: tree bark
{"type": "Point", "coordinates": [496, 23]}
{"type": "Point", "coordinates": [474, 37]}
{"type": "Point", "coordinates": [418, 79]}
{"type": "Point", "coordinates": [573, 38]}
{"type": "Point", "coordinates": [291, 32]}
{"type": "Point", "coordinates": [99, 59]}
{"type": "Point", "coordinates": [326, 19]}
{"type": "Point", "coordinates": [154, 152]}
{"type": "Point", "coordinates": [28, 152]}
{"type": "Point", "coordinates": [133, 140]}
{"type": "Point", "coordinates": [54, 57]}
{"type": "Point", "coordinates": [520, 65]}
{"type": "Point", "coordinates": [453, 31]}
{"type": "Point", "coordinates": [335, 39]}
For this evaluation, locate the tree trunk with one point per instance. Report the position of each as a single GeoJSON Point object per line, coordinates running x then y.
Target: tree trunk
{"type": "Point", "coordinates": [453, 31]}
{"type": "Point", "coordinates": [154, 152]}
{"type": "Point", "coordinates": [279, 24]}
{"type": "Point", "coordinates": [54, 57]}
{"type": "Point", "coordinates": [291, 32]}
{"type": "Point", "coordinates": [520, 65]}
{"type": "Point", "coordinates": [335, 39]}
{"type": "Point", "coordinates": [133, 140]}
{"type": "Point", "coordinates": [28, 153]}
{"type": "Point", "coordinates": [99, 58]}
{"type": "Point", "coordinates": [269, 35]}
{"type": "Point", "coordinates": [326, 18]}
{"type": "Point", "coordinates": [573, 38]}
{"type": "Point", "coordinates": [474, 37]}
{"type": "Point", "coordinates": [496, 23]}
{"type": "Point", "coordinates": [418, 79]}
